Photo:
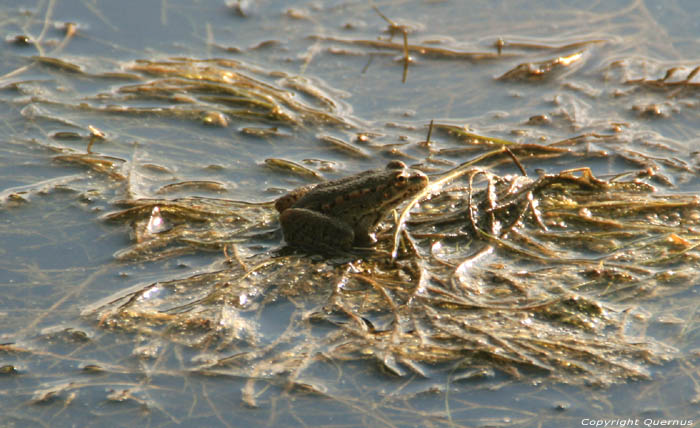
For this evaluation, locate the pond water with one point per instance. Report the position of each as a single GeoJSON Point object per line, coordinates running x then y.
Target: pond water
{"type": "Point", "coordinates": [99, 111]}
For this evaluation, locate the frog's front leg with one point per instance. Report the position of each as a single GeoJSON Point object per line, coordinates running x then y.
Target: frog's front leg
{"type": "Point", "coordinates": [315, 231]}
{"type": "Point", "coordinates": [364, 238]}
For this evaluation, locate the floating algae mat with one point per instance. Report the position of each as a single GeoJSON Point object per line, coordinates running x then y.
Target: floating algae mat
{"type": "Point", "coordinates": [545, 276]}
{"type": "Point", "coordinates": [537, 276]}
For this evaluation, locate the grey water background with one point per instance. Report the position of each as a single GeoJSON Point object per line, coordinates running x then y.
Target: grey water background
{"type": "Point", "coordinates": [57, 255]}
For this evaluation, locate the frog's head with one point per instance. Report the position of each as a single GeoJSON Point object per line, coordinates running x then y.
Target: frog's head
{"type": "Point", "coordinates": [402, 183]}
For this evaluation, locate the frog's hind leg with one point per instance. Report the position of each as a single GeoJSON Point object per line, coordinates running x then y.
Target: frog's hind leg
{"type": "Point", "coordinates": [315, 231]}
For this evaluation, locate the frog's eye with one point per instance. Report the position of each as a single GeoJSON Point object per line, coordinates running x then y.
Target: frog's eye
{"type": "Point", "coordinates": [400, 179]}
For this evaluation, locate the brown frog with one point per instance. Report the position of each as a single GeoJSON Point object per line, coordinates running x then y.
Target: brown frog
{"type": "Point", "coordinates": [334, 216]}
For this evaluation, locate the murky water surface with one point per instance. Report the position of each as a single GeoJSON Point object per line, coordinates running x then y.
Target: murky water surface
{"type": "Point", "coordinates": [207, 110]}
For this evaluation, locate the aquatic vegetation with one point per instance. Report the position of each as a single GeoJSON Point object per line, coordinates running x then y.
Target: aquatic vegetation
{"type": "Point", "coordinates": [557, 243]}
{"type": "Point", "coordinates": [509, 272]}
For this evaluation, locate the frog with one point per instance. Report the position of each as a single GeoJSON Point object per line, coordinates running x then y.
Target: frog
{"type": "Point", "coordinates": [338, 215]}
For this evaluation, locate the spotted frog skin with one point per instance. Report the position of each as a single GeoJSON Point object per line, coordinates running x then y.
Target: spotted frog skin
{"type": "Point", "coordinates": [336, 215]}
